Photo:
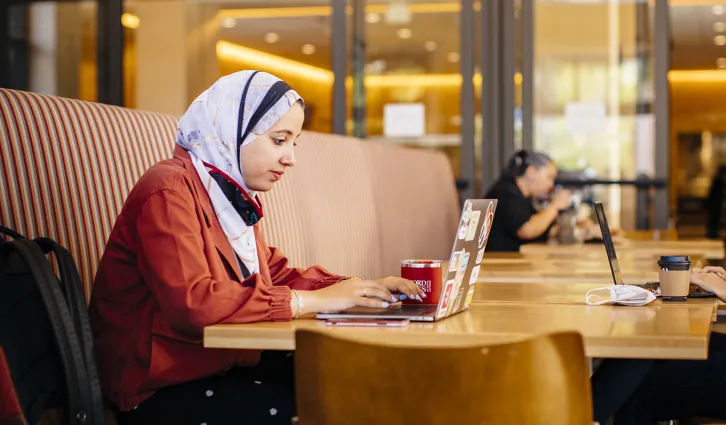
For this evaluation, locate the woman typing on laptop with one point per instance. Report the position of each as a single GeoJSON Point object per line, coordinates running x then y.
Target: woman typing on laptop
{"type": "Point", "coordinates": [186, 252]}
{"type": "Point", "coordinates": [655, 391]}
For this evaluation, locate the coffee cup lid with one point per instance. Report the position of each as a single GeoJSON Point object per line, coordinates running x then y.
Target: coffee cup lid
{"type": "Point", "coordinates": [674, 259]}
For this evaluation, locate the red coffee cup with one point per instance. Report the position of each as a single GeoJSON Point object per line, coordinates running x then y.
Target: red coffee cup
{"type": "Point", "coordinates": [427, 275]}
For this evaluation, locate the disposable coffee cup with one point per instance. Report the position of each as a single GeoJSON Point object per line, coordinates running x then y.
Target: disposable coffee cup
{"type": "Point", "coordinates": [675, 277]}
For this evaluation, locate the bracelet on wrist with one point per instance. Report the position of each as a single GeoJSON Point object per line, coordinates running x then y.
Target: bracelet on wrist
{"type": "Point", "coordinates": [300, 304]}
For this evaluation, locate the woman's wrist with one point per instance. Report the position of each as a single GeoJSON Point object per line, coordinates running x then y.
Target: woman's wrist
{"type": "Point", "coordinates": [302, 303]}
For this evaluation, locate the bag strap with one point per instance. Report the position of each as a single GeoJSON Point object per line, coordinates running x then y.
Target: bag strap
{"type": "Point", "coordinates": [72, 286]}
{"type": "Point", "coordinates": [10, 232]}
{"type": "Point", "coordinates": [80, 410]}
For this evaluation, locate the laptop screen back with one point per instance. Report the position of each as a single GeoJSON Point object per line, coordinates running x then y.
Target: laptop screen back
{"type": "Point", "coordinates": [608, 240]}
{"type": "Point", "coordinates": [462, 273]}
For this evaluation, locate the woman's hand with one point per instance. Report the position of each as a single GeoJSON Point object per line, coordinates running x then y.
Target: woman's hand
{"type": "Point", "coordinates": [719, 271]}
{"type": "Point", "coordinates": [710, 281]}
{"type": "Point", "coordinates": [358, 293]}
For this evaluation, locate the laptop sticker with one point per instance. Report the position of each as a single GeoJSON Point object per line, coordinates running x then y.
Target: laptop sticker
{"type": "Point", "coordinates": [469, 297]}
{"type": "Point", "coordinates": [464, 259]}
{"type": "Point", "coordinates": [479, 256]}
{"type": "Point", "coordinates": [454, 262]}
{"type": "Point", "coordinates": [487, 226]}
{"type": "Point", "coordinates": [446, 297]}
{"type": "Point", "coordinates": [474, 275]}
{"type": "Point", "coordinates": [465, 218]}
{"type": "Point", "coordinates": [459, 277]}
{"type": "Point", "coordinates": [473, 225]}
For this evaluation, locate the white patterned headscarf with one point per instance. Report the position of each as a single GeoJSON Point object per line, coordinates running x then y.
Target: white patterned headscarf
{"type": "Point", "coordinates": [213, 132]}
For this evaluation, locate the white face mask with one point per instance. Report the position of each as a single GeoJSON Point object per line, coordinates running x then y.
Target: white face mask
{"type": "Point", "coordinates": [619, 294]}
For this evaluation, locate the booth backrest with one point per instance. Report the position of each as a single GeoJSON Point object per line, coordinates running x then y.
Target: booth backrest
{"type": "Point", "coordinates": [356, 207]}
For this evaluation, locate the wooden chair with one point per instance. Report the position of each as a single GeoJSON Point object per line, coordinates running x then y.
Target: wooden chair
{"type": "Point", "coordinates": [544, 380]}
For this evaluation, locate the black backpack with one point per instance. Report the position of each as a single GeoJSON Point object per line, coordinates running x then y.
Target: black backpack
{"type": "Point", "coordinates": [45, 331]}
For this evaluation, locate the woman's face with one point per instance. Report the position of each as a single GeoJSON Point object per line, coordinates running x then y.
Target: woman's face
{"type": "Point", "coordinates": [541, 180]}
{"type": "Point", "coordinates": [264, 160]}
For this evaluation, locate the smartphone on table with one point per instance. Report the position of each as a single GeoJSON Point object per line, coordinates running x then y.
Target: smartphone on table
{"type": "Point", "coordinates": [397, 323]}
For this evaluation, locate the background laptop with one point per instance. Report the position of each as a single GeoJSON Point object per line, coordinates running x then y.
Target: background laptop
{"type": "Point", "coordinates": [459, 277]}
{"type": "Point", "coordinates": [695, 291]}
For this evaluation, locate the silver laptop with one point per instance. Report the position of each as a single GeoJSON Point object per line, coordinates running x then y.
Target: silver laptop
{"type": "Point", "coordinates": [459, 277]}
{"type": "Point", "coordinates": [607, 238]}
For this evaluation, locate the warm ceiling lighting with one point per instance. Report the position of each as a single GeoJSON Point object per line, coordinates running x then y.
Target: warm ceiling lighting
{"type": "Point", "coordinates": [718, 9]}
{"type": "Point", "coordinates": [720, 40]}
{"type": "Point", "coordinates": [373, 18]}
{"type": "Point", "coordinates": [697, 76]}
{"type": "Point", "coordinates": [130, 21]}
{"type": "Point", "coordinates": [719, 26]}
{"type": "Point", "coordinates": [404, 33]}
{"type": "Point", "coordinates": [308, 49]}
{"type": "Point", "coordinates": [271, 37]}
{"type": "Point", "coordinates": [430, 46]}
{"type": "Point", "coordinates": [281, 65]}
{"type": "Point", "coordinates": [229, 23]}
{"type": "Point", "coordinates": [721, 63]}
{"type": "Point", "coordinates": [297, 12]}
{"type": "Point", "coordinates": [453, 57]}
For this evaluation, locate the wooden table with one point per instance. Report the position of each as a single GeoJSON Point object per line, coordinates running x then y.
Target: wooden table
{"type": "Point", "coordinates": [710, 249]}
{"type": "Point", "coordinates": [624, 332]}
{"type": "Point", "coordinates": [569, 268]}
{"type": "Point", "coordinates": [566, 293]}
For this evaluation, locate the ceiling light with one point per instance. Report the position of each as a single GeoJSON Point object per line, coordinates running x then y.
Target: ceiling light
{"type": "Point", "coordinates": [453, 57]}
{"type": "Point", "coordinates": [130, 21]}
{"type": "Point", "coordinates": [430, 46]}
{"type": "Point", "coordinates": [271, 37]}
{"type": "Point", "coordinates": [229, 23]}
{"type": "Point", "coordinates": [404, 33]}
{"type": "Point", "coordinates": [719, 26]}
{"type": "Point", "coordinates": [720, 40]}
{"type": "Point", "coordinates": [373, 18]}
{"type": "Point", "coordinates": [308, 49]}
{"type": "Point", "coordinates": [718, 9]}
{"type": "Point", "coordinates": [721, 63]}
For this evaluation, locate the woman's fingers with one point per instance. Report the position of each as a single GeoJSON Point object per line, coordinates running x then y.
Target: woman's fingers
{"type": "Point", "coordinates": [714, 269]}
{"type": "Point", "coordinates": [371, 302]}
{"type": "Point", "coordinates": [376, 291]}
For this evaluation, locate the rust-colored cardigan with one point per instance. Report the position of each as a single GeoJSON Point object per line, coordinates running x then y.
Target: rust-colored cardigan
{"type": "Point", "coordinates": [166, 273]}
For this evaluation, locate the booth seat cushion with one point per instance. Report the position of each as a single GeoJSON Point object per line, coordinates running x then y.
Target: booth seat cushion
{"type": "Point", "coordinates": [67, 166]}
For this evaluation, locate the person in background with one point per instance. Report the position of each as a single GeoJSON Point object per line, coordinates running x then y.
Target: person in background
{"type": "Point", "coordinates": [647, 392]}
{"type": "Point", "coordinates": [714, 203]}
{"type": "Point", "coordinates": [528, 175]}
{"type": "Point", "coordinates": [186, 252]}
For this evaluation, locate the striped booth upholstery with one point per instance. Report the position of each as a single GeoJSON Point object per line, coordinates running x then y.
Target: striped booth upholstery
{"type": "Point", "coordinates": [355, 207]}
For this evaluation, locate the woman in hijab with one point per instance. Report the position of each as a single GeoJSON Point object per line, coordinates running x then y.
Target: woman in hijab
{"type": "Point", "coordinates": [186, 252]}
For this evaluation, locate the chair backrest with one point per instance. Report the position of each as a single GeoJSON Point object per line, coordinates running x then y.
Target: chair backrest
{"type": "Point", "coordinates": [543, 380]}
{"type": "Point", "coordinates": [67, 166]}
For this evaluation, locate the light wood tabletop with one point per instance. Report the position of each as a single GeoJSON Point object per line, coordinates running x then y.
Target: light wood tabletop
{"type": "Point", "coordinates": [565, 293]}
{"type": "Point", "coordinates": [624, 332]}
{"type": "Point", "coordinates": [549, 268]}
{"type": "Point", "coordinates": [710, 249]}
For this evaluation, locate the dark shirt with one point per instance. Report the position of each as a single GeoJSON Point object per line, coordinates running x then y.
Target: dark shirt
{"type": "Point", "coordinates": [513, 210]}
